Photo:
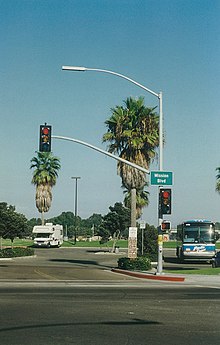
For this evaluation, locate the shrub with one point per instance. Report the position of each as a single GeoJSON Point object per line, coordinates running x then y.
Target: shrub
{"type": "Point", "coordinates": [150, 242]}
{"type": "Point", "coordinates": [142, 263]}
{"type": "Point", "coordinates": [16, 252]}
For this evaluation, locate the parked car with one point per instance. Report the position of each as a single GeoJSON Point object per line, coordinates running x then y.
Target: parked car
{"type": "Point", "coordinates": [216, 260]}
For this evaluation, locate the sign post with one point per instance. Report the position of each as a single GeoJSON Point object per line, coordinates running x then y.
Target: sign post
{"type": "Point", "coordinates": [142, 227]}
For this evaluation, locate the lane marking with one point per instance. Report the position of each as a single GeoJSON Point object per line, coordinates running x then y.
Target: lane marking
{"type": "Point", "coordinates": [45, 275]}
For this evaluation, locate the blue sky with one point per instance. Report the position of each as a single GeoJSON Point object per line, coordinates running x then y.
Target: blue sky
{"type": "Point", "coordinates": [171, 46]}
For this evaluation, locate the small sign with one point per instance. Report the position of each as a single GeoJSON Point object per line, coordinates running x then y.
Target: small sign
{"type": "Point", "coordinates": [132, 232]}
{"type": "Point", "coordinates": [160, 239]}
{"type": "Point", "coordinates": [132, 243]}
{"type": "Point", "coordinates": [142, 224]}
{"type": "Point", "coordinates": [161, 178]}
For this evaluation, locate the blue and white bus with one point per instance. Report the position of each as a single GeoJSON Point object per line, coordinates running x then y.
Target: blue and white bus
{"type": "Point", "coordinates": [196, 240]}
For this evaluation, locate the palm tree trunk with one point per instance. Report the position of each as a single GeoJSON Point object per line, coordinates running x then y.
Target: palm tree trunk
{"type": "Point", "coordinates": [132, 240]}
{"type": "Point", "coordinates": [42, 217]}
{"type": "Point", "coordinates": [133, 207]}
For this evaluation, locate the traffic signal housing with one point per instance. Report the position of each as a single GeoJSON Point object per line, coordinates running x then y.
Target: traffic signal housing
{"type": "Point", "coordinates": [166, 225]}
{"type": "Point", "coordinates": [45, 138]}
{"type": "Point", "coordinates": [165, 201]}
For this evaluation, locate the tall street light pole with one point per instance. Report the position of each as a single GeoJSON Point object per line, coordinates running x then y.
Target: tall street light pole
{"type": "Point", "coordinates": [160, 97]}
{"type": "Point", "coordinates": [76, 178]}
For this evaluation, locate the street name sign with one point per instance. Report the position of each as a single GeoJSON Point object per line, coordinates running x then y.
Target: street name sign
{"type": "Point", "coordinates": [161, 178]}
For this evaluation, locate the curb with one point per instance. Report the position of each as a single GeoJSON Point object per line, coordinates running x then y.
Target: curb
{"type": "Point", "coordinates": [18, 257]}
{"type": "Point", "coordinates": [149, 275]}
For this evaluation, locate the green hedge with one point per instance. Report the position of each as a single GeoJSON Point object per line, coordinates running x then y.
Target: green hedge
{"type": "Point", "coordinates": [141, 263]}
{"type": "Point", "coordinates": [16, 252]}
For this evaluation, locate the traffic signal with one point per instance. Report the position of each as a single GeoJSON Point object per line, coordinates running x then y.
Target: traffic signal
{"type": "Point", "coordinates": [45, 138]}
{"type": "Point", "coordinates": [166, 225]}
{"type": "Point", "coordinates": [165, 201]}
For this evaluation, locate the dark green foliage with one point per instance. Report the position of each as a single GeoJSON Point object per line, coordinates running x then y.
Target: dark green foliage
{"type": "Point", "coordinates": [16, 252]}
{"type": "Point", "coordinates": [150, 242]}
{"type": "Point", "coordinates": [141, 263]}
{"type": "Point", "coordinates": [104, 233]}
{"type": "Point", "coordinates": [12, 224]}
{"type": "Point", "coordinates": [116, 221]}
{"type": "Point", "coordinates": [85, 227]}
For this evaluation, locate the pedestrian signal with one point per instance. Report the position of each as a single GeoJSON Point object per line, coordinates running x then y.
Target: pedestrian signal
{"type": "Point", "coordinates": [165, 226]}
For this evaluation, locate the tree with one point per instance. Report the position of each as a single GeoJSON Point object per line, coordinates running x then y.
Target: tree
{"type": "Point", "coordinates": [150, 246]}
{"type": "Point", "coordinates": [86, 227]}
{"type": "Point", "coordinates": [133, 133]}
{"type": "Point", "coordinates": [115, 223]}
{"type": "Point", "coordinates": [217, 188]}
{"type": "Point", "coordinates": [12, 224]}
{"type": "Point", "coordinates": [44, 178]}
{"type": "Point", "coordinates": [142, 200]}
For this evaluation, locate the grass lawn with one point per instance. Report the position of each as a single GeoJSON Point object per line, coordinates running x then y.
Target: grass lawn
{"type": "Point", "coordinates": [93, 244]}
{"type": "Point", "coordinates": [202, 271]}
{"type": "Point", "coordinates": [17, 243]}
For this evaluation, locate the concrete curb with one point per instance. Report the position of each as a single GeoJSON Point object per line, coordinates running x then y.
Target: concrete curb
{"type": "Point", "coordinates": [18, 257]}
{"type": "Point", "coordinates": [149, 275]}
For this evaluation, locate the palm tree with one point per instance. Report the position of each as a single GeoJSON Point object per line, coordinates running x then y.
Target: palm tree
{"type": "Point", "coordinates": [133, 133]}
{"type": "Point", "coordinates": [44, 178]}
{"type": "Point", "coordinates": [217, 188]}
{"type": "Point", "coordinates": [142, 200]}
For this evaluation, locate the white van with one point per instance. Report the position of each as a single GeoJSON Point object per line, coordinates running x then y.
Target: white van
{"type": "Point", "coordinates": [48, 235]}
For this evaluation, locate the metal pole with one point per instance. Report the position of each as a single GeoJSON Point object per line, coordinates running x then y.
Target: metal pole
{"type": "Point", "coordinates": [133, 165]}
{"type": "Point", "coordinates": [160, 216]}
{"type": "Point", "coordinates": [76, 198]}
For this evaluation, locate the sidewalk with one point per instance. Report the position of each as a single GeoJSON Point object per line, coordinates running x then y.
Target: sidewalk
{"type": "Point", "coordinates": [150, 275]}
{"type": "Point", "coordinates": [208, 281]}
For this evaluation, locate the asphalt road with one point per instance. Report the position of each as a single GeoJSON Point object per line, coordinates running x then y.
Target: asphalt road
{"type": "Point", "coordinates": [128, 315]}
{"type": "Point", "coordinates": [61, 264]}
{"type": "Point", "coordinates": [76, 263]}
{"type": "Point", "coordinates": [70, 296]}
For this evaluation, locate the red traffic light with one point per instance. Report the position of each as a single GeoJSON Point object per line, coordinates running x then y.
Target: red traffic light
{"type": "Point", "coordinates": [166, 194]}
{"type": "Point", "coordinates": [45, 130]}
{"type": "Point", "coordinates": [45, 138]}
{"type": "Point", "coordinates": [165, 201]}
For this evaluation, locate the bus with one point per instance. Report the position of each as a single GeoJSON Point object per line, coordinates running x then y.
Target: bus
{"type": "Point", "coordinates": [196, 240]}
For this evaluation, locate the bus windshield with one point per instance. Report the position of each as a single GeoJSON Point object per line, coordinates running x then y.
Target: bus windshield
{"type": "Point", "coordinates": [198, 234]}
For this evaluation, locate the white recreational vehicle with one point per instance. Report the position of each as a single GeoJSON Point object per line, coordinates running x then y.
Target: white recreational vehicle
{"type": "Point", "coordinates": [48, 235]}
